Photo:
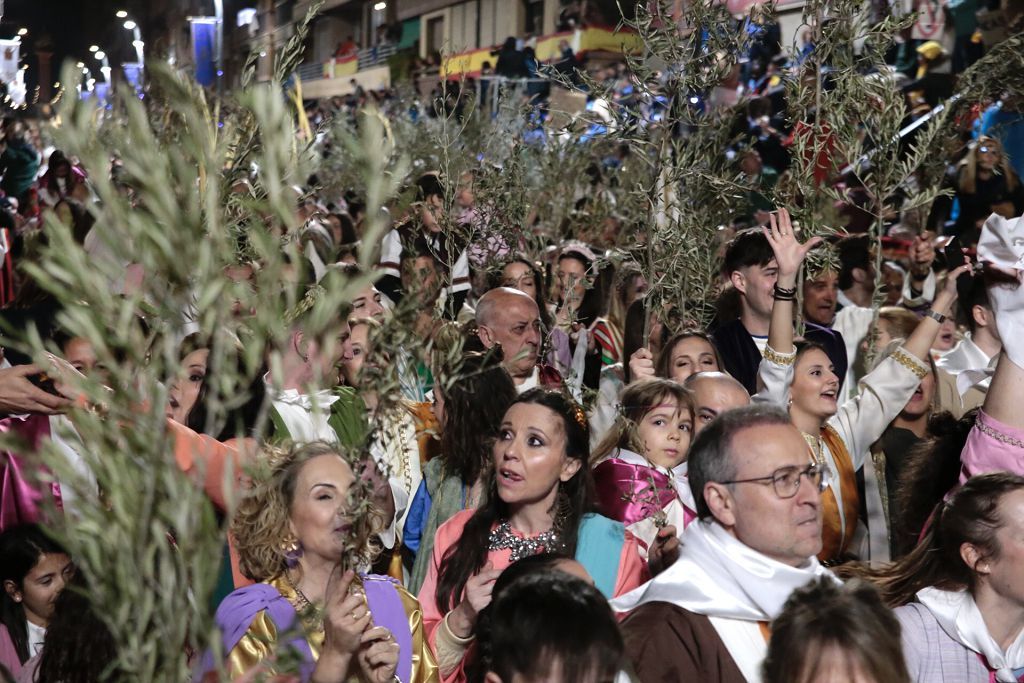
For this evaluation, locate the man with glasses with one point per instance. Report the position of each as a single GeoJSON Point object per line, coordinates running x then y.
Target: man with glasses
{"type": "Point", "coordinates": [758, 495]}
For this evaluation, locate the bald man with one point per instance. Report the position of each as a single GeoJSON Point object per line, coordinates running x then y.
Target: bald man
{"type": "Point", "coordinates": [511, 318]}
{"type": "Point", "coordinates": [714, 393]}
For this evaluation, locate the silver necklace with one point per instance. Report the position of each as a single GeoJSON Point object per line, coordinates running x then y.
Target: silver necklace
{"type": "Point", "coordinates": [502, 538]}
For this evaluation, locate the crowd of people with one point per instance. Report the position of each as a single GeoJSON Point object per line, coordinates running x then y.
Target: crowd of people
{"type": "Point", "coordinates": [565, 483]}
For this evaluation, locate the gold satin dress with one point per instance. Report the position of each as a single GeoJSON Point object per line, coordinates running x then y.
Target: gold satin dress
{"type": "Point", "coordinates": [260, 640]}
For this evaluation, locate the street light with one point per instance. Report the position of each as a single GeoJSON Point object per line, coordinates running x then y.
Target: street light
{"type": "Point", "coordinates": [105, 69]}
{"type": "Point", "coordinates": [121, 14]}
{"type": "Point", "coordinates": [22, 31]}
{"type": "Point", "coordinates": [137, 42]}
{"type": "Point", "coordinates": [94, 48]}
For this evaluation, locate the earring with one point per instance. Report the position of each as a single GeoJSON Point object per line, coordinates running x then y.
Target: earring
{"type": "Point", "coordinates": [292, 550]}
{"type": "Point", "coordinates": [563, 506]}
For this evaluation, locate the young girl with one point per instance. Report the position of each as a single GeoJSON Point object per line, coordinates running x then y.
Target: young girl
{"type": "Point", "coordinates": [641, 465]}
{"type": "Point", "coordinates": [33, 570]}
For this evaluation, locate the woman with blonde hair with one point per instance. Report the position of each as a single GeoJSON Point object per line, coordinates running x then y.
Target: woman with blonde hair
{"type": "Point", "coordinates": [983, 183]}
{"type": "Point", "coordinates": [302, 533]}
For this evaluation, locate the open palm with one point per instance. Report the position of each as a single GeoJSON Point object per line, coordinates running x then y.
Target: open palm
{"type": "Point", "coordinates": [789, 253]}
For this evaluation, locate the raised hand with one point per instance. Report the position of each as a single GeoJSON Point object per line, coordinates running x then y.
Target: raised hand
{"type": "Point", "coordinates": [789, 253]}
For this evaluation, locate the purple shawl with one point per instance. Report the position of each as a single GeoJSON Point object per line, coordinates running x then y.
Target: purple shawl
{"type": "Point", "coordinates": [237, 611]}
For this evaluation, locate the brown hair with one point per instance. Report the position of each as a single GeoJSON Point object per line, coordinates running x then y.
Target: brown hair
{"type": "Point", "coordinates": [825, 617]}
{"type": "Point", "coordinates": [635, 402]}
{"type": "Point", "coordinates": [661, 366]}
{"type": "Point", "coordinates": [900, 320]}
{"type": "Point", "coordinates": [260, 525]}
{"type": "Point", "coordinates": [970, 516]}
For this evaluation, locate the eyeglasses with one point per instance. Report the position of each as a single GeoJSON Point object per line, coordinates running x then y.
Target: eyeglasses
{"type": "Point", "coordinates": [786, 480]}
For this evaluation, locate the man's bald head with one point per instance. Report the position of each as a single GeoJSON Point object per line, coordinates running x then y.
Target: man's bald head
{"type": "Point", "coordinates": [714, 393]}
{"type": "Point", "coordinates": [495, 299]}
{"type": "Point", "coordinates": [510, 318]}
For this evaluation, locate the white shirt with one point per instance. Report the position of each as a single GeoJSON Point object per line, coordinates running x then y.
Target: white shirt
{"type": "Point", "coordinates": [531, 382]}
{"type": "Point", "coordinates": [36, 635]}
{"type": "Point", "coordinates": [305, 415]}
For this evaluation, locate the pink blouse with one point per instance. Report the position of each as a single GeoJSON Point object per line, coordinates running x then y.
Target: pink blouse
{"type": "Point", "coordinates": [992, 446]}
{"type": "Point", "coordinates": [632, 572]}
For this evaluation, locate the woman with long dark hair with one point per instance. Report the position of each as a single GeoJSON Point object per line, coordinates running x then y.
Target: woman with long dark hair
{"type": "Point", "coordinates": [539, 499]}
{"type": "Point", "coordinates": [470, 399]}
{"type": "Point", "coordinates": [959, 595]}
{"type": "Point", "coordinates": [33, 571]}
{"type": "Point", "coordinates": [581, 301]}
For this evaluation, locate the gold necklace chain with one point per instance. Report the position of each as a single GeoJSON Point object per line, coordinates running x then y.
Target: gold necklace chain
{"type": "Point", "coordinates": [304, 602]}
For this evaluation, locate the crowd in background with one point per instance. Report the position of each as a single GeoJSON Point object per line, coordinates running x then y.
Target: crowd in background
{"type": "Point", "coordinates": [567, 482]}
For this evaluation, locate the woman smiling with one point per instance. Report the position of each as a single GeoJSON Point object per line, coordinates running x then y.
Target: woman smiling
{"type": "Point", "coordinates": [803, 378]}
{"type": "Point", "coordinates": [301, 534]}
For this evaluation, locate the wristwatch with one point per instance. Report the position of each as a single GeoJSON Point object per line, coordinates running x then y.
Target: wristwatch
{"type": "Point", "coordinates": [936, 316]}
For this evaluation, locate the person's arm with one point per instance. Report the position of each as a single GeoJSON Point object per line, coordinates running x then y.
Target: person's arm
{"type": "Point", "coordinates": [997, 440]}
{"type": "Point", "coordinates": [775, 373]}
{"type": "Point", "coordinates": [884, 391]}
{"type": "Point", "coordinates": [789, 255]}
{"type": "Point", "coordinates": [416, 520]}
{"type": "Point", "coordinates": [919, 283]}
{"type": "Point", "coordinates": [920, 341]}
{"type": "Point", "coordinates": [199, 455]}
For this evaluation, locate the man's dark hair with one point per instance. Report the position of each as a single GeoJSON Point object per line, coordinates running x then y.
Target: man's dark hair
{"type": "Point", "coordinates": [971, 293]}
{"type": "Point", "coordinates": [429, 185]}
{"type": "Point", "coordinates": [854, 252]}
{"type": "Point", "coordinates": [711, 451]}
{"type": "Point", "coordinates": [545, 621]}
{"type": "Point", "coordinates": [747, 248]}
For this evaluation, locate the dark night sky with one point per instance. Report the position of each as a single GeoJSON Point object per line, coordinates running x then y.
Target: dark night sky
{"type": "Point", "coordinates": [72, 26]}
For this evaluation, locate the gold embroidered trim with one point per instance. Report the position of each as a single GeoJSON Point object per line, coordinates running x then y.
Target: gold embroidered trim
{"type": "Point", "coordinates": [773, 356]}
{"type": "Point", "coordinates": [910, 363]}
{"type": "Point", "coordinates": [998, 436]}
{"type": "Point", "coordinates": [816, 446]}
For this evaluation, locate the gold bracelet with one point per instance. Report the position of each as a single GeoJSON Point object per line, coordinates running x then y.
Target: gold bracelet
{"type": "Point", "coordinates": [773, 356]}
{"type": "Point", "coordinates": [911, 363]}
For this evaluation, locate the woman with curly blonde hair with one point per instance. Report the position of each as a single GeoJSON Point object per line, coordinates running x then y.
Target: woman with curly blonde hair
{"type": "Point", "coordinates": [302, 533]}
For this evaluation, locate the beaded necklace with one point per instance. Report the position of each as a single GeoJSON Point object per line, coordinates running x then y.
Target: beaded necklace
{"type": "Point", "coordinates": [503, 538]}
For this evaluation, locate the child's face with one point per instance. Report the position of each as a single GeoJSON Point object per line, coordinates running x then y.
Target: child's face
{"type": "Point", "coordinates": [41, 586]}
{"type": "Point", "coordinates": [664, 433]}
